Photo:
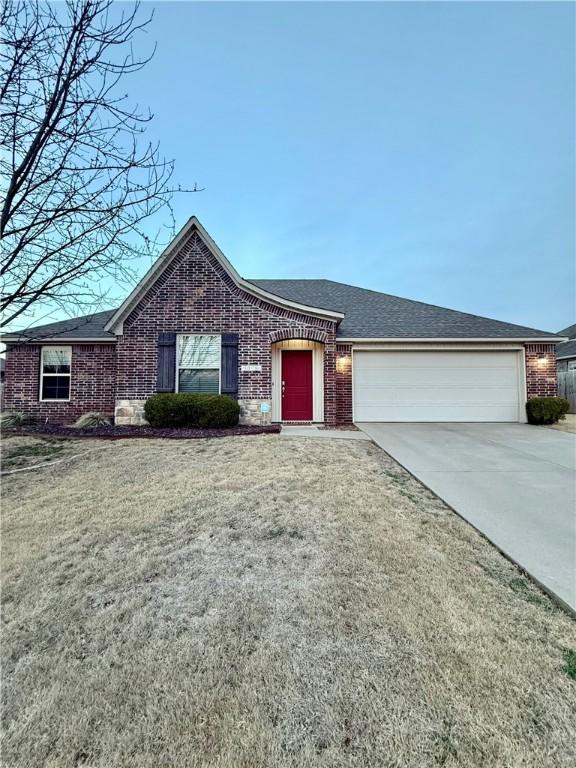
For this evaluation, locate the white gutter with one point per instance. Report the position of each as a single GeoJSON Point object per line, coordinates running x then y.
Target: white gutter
{"type": "Point", "coordinates": [444, 339]}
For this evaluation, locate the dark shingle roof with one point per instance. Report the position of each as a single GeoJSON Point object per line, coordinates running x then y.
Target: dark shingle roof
{"type": "Point", "coordinates": [570, 332]}
{"type": "Point", "coordinates": [566, 349]}
{"type": "Point", "coordinates": [369, 314]}
{"type": "Point", "coordinates": [85, 327]}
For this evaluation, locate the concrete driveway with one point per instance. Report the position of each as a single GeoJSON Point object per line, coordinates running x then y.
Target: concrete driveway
{"type": "Point", "coordinates": [514, 482]}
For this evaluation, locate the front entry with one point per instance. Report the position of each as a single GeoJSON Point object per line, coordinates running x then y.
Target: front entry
{"type": "Point", "coordinates": [296, 385]}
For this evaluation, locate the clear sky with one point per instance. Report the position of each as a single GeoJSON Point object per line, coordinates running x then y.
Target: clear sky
{"type": "Point", "coordinates": [422, 149]}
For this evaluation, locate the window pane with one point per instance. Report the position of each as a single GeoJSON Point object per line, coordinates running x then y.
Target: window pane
{"type": "Point", "coordinates": [55, 387]}
{"type": "Point", "coordinates": [199, 352]}
{"type": "Point", "coordinates": [55, 360]}
{"type": "Point", "coordinates": [202, 382]}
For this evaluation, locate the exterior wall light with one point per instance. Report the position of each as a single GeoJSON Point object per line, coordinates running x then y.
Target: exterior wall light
{"type": "Point", "coordinates": [343, 363]}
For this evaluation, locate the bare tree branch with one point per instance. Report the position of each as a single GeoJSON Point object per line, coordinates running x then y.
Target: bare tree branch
{"type": "Point", "coordinates": [79, 180]}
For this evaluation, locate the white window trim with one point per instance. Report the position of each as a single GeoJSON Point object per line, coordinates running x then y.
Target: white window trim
{"type": "Point", "coordinates": [43, 399]}
{"type": "Point", "coordinates": [177, 377]}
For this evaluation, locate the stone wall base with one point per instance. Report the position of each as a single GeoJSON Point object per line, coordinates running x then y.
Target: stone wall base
{"type": "Point", "coordinates": [129, 412]}
{"type": "Point", "coordinates": [132, 412]}
{"type": "Point", "coordinates": [251, 414]}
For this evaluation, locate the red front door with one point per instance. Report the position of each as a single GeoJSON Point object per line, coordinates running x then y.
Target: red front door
{"type": "Point", "coordinates": [296, 385]}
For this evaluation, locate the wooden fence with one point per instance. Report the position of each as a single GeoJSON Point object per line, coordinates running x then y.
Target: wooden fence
{"type": "Point", "coordinates": [567, 387]}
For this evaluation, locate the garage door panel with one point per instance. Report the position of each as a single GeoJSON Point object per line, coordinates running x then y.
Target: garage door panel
{"type": "Point", "coordinates": [441, 395]}
{"type": "Point", "coordinates": [450, 377]}
{"type": "Point", "coordinates": [434, 414]}
{"type": "Point", "coordinates": [456, 359]}
{"type": "Point", "coordinates": [436, 386]}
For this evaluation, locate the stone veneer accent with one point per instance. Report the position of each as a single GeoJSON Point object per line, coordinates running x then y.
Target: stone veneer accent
{"type": "Point", "coordinates": [130, 412]}
{"type": "Point", "coordinates": [250, 412]}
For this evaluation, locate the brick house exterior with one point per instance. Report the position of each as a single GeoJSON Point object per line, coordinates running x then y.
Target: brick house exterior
{"type": "Point", "coordinates": [93, 384]}
{"type": "Point", "coordinates": [194, 290]}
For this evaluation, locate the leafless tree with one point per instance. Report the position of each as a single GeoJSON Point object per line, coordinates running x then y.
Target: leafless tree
{"type": "Point", "coordinates": [81, 183]}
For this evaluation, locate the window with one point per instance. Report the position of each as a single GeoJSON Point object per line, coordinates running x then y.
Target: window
{"type": "Point", "coordinates": [198, 361]}
{"type": "Point", "coordinates": [55, 373]}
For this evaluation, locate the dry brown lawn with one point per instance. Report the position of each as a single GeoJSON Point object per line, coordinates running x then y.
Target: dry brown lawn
{"type": "Point", "coordinates": [263, 602]}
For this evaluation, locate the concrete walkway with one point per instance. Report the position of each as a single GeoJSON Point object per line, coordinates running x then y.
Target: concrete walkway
{"type": "Point", "coordinates": [309, 431]}
{"type": "Point", "coordinates": [567, 424]}
{"type": "Point", "coordinates": [515, 483]}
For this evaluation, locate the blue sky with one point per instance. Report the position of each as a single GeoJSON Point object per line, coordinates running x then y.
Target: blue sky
{"type": "Point", "coordinates": [421, 149]}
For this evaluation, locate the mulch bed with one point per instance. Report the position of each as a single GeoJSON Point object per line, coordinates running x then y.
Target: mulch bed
{"type": "Point", "coordinates": [121, 432]}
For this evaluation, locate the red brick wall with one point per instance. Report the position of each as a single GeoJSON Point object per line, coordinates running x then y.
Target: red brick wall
{"type": "Point", "coordinates": [196, 295]}
{"type": "Point", "coordinates": [343, 383]}
{"type": "Point", "coordinates": [541, 370]}
{"type": "Point", "coordinates": [92, 385]}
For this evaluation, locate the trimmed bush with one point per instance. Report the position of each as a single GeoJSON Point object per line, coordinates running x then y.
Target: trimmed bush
{"type": "Point", "coordinates": [184, 410]}
{"type": "Point", "coordinates": [218, 412]}
{"type": "Point", "coordinates": [546, 410]}
{"type": "Point", "coordinates": [15, 419]}
{"type": "Point", "coordinates": [92, 420]}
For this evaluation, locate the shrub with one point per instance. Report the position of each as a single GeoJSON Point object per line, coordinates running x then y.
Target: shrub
{"type": "Point", "coordinates": [183, 409]}
{"type": "Point", "coordinates": [15, 419]}
{"type": "Point", "coordinates": [92, 419]}
{"type": "Point", "coordinates": [218, 412]}
{"type": "Point", "coordinates": [546, 410]}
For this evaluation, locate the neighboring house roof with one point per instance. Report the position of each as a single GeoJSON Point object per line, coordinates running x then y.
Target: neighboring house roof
{"type": "Point", "coordinates": [570, 332]}
{"type": "Point", "coordinates": [361, 313]}
{"type": "Point", "coordinates": [567, 349]}
{"type": "Point", "coordinates": [369, 314]}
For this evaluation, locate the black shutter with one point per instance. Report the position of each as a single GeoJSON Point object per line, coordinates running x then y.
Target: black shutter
{"type": "Point", "coordinates": [229, 373]}
{"type": "Point", "coordinates": [166, 371]}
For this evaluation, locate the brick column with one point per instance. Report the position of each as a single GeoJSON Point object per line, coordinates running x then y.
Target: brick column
{"type": "Point", "coordinates": [330, 382]}
{"type": "Point", "coordinates": [343, 383]}
{"type": "Point", "coordinates": [541, 370]}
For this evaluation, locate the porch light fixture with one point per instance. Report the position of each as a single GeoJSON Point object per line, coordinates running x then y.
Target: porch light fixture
{"type": "Point", "coordinates": [342, 363]}
{"type": "Point", "coordinates": [542, 359]}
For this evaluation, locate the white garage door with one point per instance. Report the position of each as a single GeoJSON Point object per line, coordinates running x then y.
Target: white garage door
{"type": "Point", "coordinates": [436, 386]}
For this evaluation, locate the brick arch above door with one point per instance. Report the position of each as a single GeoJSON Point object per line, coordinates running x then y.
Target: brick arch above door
{"type": "Point", "coordinates": [309, 334]}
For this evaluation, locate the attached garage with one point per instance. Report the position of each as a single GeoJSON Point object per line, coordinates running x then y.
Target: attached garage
{"type": "Point", "coordinates": [438, 385]}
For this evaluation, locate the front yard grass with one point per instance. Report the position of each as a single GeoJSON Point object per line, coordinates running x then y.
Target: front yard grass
{"type": "Point", "coordinates": [259, 602]}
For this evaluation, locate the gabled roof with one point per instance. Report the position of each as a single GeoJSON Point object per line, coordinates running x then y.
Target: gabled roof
{"type": "Point", "coordinates": [362, 314]}
{"type": "Point", "coordinates": [570, 332]}
{"type": "Point", "coordinates": [369, 314]}
{"type": "Point", "coordinates": [114, 324]}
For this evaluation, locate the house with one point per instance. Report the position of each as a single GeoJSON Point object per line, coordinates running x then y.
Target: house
{"type": "Point", "coordinates": [566, 351]}
{"type": "Point", "coordinates": [288, 350]}
{"type": "Point", "coordinates": [566, 366]}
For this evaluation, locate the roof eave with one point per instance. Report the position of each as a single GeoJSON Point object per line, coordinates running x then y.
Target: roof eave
{"type": "Point", "coordinates": [11, 339]}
